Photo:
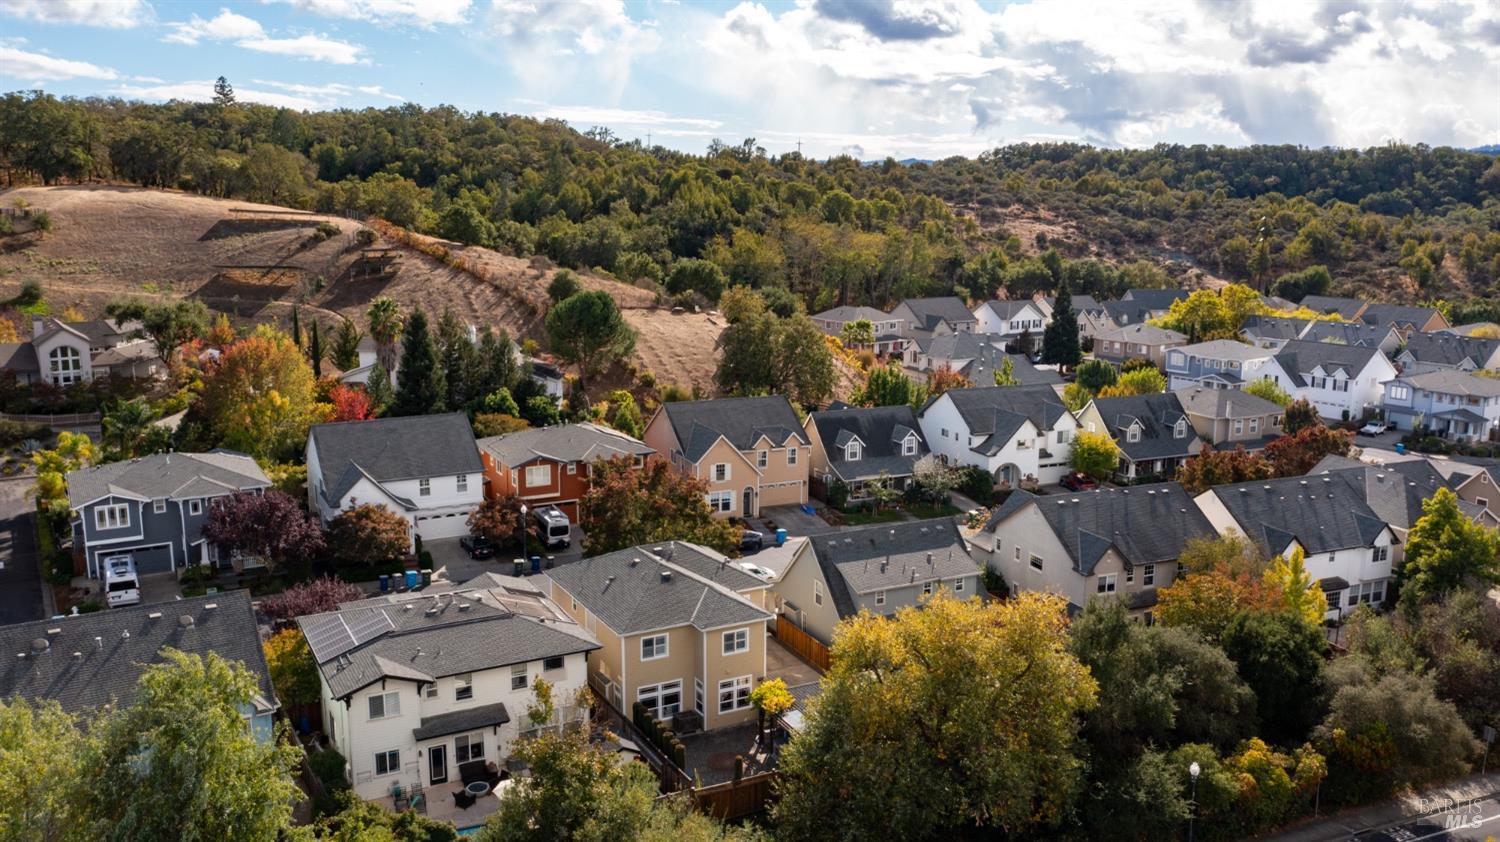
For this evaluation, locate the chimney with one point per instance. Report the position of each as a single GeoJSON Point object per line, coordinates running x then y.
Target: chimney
{"type": "Point", "coordinates": [38, 326]}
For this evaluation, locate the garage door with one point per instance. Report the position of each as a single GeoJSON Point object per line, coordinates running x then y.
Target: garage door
{"type": "Point", "coordinates": [443, 526]}
{"type": "Point", "coordinates": [150, 560]}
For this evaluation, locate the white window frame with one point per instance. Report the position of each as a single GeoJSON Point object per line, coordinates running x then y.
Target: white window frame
{"type": "Point", "coordinates": [392, 761]}
{"type": "Point", "coordinates": [852, 451]}
{"type": "Point", "coordinates": [880, 597]}
{"type": "Point", "coordinates": [734, 694]}
{"type": "Point", "coordinates": [736, 641]}
{"type": "Point", "coordinates": [721, 501]}
{"type": "Point", "coordinates": [927, 588]}
{"type": "Point", "coordinates": [461, 483]}
{"type": "Point", "coordinates": [817, 592]}
{"type": "Point", "coordinates": [958, 585]}
{"type": "Point", "coordinates": [658, 644]}
{"type": "Point", "coordinates": [1132, 434]}
{"type": "Point", "coordinates": [113, 516]}
{"type": "Point", "coordinates": [468, 747]}
{"type": "Point", "coordinates": [909, 446]}
{"type": "Point", "coordinates": [195, 506]}
{"type": "Point", "coordinates": [66, 365]}
{"type": "Point", "coordinates": [1148, 575]}
{"type": "Point", "coordinates": [1382, 553]}
{"type": "Point", "coordinates": [424, 487]}
{"type": "Point", "coordinates": [1036, 562]}
{"type": "Point", "coordinates": [1106, 583]}
{"type": "Point", "coordinates": [657, 693]}
{"type": "Point", "coordinates": [1179, 430]}
{"type": "Point", "coordinates": [390, 705]}
{"type": "Point", "coordinates": [791, 455]}
{"type": "Point", "coordinates": [520, 678]}
{"type": "Point", "coordinates": [573, 468]}
{"type": "Point", "coordinates": [159, 505]}
{"type": "Point", "coordinates": [762, 458]}
{"type": "Point", "coordinates": [720, 472]}
{"type": "Point", "coordinates": [698, 695]}
{"type": "Point", "coordinates": [538, 475]}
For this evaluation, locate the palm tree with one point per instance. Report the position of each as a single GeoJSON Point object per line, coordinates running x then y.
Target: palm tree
{"type": "Point", "coordinates": [385, 329]}
{"type": "Point", "coordinates": [126, 426]}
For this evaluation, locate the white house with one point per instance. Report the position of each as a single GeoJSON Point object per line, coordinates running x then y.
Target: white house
{"type": "Point", "coordinates": [1014, 432]}
{"type": "Point", "coordinates": [425, 468]}
{"type": "Point", "coordinates": [1340, 381]}
{"type": "Point", "coordinates": [1009, 320]}
{"type": "Point", "coordinates": [63, 353]}
{"type": "Point", "coordinates": [433, 687]}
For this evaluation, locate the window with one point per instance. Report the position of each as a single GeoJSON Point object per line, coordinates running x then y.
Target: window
{"type": "Point", "coordinates": [1180, 429]}
{"type": "Point", "coordinates": [195, 507]}
{"type": "Point", "coordinates": [663, 700]}
{"type": "Point", "coordinates": [1148, 575]}
{"type": "Point", "coordinates": [958, 585]}
{"type": "Point", "coordinates": [698, 694]}
{"type": "Point", "coordinates": [463, 687]}
{"type": "Point", "coordinates": [762, 458]}
{"type": "Point", "coordinates": [1129, 575]}
{"type": "Point", "coordinates": [424, 487]}
{"type": "Point", "coordinates": [431, 691]}
{"type": "Point", "coordinates": [553, 663]}
{"type": "Point", "coordinates": [116, 516]}
{"type": "Point", "coordinates": [1380, 554]}
{"type": "Point", "coordinates": [1254, 426]}
{"type": "Point", "coordinates": [817, 592]}
{"type": "Point", "coordinates": [653, 647]}
{"type": "Point", "coordinates": [1106, 584]}
{"type": "Point", "coordinates": [721, 501]}
{"type": "Point", "coordinates": [387, 762]}
{"type": "Point", "coordinates": [1133, 434]}
{"type": "Point", "coordinates": [909, 446]}
{"type": "Point", "coordinates": [468, 747]}
{"type": "Point", "coordinates": [1369, 592]}
{"type": "Point", "coordinates": [852, 451]}
{"type": "Point", "coordinates": [572, 468]}
{"type": "Point", "coordinates": [384, 705]}
{"type": "Point", "coordinates": [1400, 393]}
{"type": "Point", "coordinates": [538, 475]}
{"type": "Point", "coordinates": [159, 505]}
{"type": "Point", "coordinates": [736, 641]}
{"type": "Point", "coordinates": [1064, 436]}
{"type": "Point", "coordinates": [927, 588]}
{"type": "Point", "coordinates": [721, 472]}
{"type": "Point", "coordinates": [1482, 502]}
{"type": "Point", "coordinates": [461, 483]}
{"type": "Point", "coordinates": [66, 365]}
{"type": "Point", "coordinates": [1018, 552]}
{"type": "Point", "coordinates": [518, 677]}
{"type": "Point", "coordinates": [943, 433]}
{"type": "Point", "coordinates": [734, 694]}
{"type": "Point", "coordinates": [1036, 562]}
{"type": "Point", "coordinates": [880, 597]}
{"type": "Point", "coordinates": [791, 455]}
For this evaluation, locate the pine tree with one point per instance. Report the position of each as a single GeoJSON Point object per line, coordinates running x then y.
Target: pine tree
{"type": "Point", "coordinates": [297, 326]}
{"type": "Point", "coordinates": [345, 350]}
{"type": "Point", "coordinates": [379, 387]}
{"type": "Point", "coordinates": [419, 386]}
{"type": "Point", "coordinates": [223, 92]}
{"type": "Point", "coordinates": [1060, 340]}
{"type": "Point", "coordinates": [315, 349]}
{"type": "Point", "coordinates": [455, 352]}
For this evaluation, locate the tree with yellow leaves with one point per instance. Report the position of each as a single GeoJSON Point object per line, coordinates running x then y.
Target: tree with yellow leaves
{"type": "Point", "coordinates": [73, 451]}
{"type": "Point", "coordinates": [1298, 592]}
{"type": "Point", "coordinates": [261, 396]}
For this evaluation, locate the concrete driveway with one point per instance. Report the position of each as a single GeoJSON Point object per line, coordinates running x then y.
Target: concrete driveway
{"type": "Point", "coordinates": [792, 519]}
{"type": "Point", "coordinates": [20, 577]}
{"type": "Point", "coordinates": [452, 563]}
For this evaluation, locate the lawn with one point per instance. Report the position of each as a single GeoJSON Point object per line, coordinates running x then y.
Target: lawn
{"type": "Point", "coordinates": [865, 517]}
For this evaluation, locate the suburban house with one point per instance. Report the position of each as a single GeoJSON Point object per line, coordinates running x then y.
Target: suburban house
{"type": "Point", "coordinates": [861, 446]}
{"type": "Point", "coordinates": [1016, 433]}
{"type": "Point", "coordinates": [550, 465]}
{"type": "Point", "coordinates": [880, 569]}
{"type": "Point", "coordinates": [87, 661]}
{"type": "Point", "coordinates": [417, 686]}
{"type": "Point", "coordinates": [1382, 337]}
{"type": "Point", "coordinates": [1272, 332]}
{"type": "Point", "coordinates": [1481, 489]}
{"type": "Point", "coordinates": [1009, 320]}
{"type": "Point", "coordinates": [1230, 418]}
{"type": "Point", "coordinates": [1396, 490]}
{"type": "Point", "coordinates": [1447, 402]}
{"type": "Point", "coordinates": [154, 508]}
{"type": "Point", "coordinates": [1219, 364]}
{"type": "Point", "coordinates": [1474, 329]}
{"type": "Point", "coordinates": [976, 356]}
{"type": "Point", "coordinates": [1119, 345]}
{"type": "Point", "coordinates": [1347, 309]}
{"type": "Point", "coordinates": [63, 353]}
{"type": "Point", "coordinates": [1092, 317]}
{"type": "Point", "coordinates": [1404, 318]}
{"type": "Point", "coordinates": [1433, 351]}
{"type": "Point", "coordinates": [1340, 381]}
{"type": "Point", "coordinates": [922, 317]}
{"type": "Point", "coordinates": [751, 451]}
{"type": "Point", "coordinates": [1089, 544]}
{"type": "Point", "coordinates": [1349, 548]}
{"type": "Point", "coordinates": [683, 631]}
{"type": "Point", "coordinates": [1152, 431]}
{"type": "Point", "coordinates": [425, 468]}
{"type": "Point", "coordinates": [1140, 305]}
{"type": "Point", "coordinates": [887, 328]}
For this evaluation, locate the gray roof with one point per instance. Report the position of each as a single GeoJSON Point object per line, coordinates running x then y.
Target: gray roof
{"type": "Point", "coordinates": [1081, 303]}
{"type": "Point", "coordinates": [488, 622]}
{"type": "Point", "coordinates": [18, 356]}
{"type": "Point", "coordinates": [849, 313]}
{"type": "Point", "coordinates": [93, 659]}
{"type": "Point", "coordinates": [698, 424]}
{"type": "Point", "coordinates": [1224, 403]}
{"type": "Point", "coordinates": [1270, 327]}
{"type": "Point", "coordinates": [1448, 349]}
{"type": "Point", "coordinates": [1300, 357]}
{"type": "Point", "coordinates": [1007, 308]}
{"type": "Point", "coordinates": [390, 449]}
{"type": "Point", "coordinates": [177, 476]}
{"type": "Point", "coordinates": [562, 443]}
{"type": "Point", "coordinates": [1146, 524]}
{"type": "Point", "coordinates": [890, 556]}
{"type": "Point", "coordinates": [997, 412]}
{"type": "Point", "coordinates": [1140, 334]}
{"type": "Point", "coordinates": [1399, 315]}
{"type": "Point", "coordinates": [1323, 513]}
{"type": "Point", "coordinates": [880, 429]}
{"type": "Point", "coordinates": [459, 721]}
{"type": "Point", "coordinates": [1452, 382]}
{"type": "Point", "coordinates": [1225, 349]}
{"type": "Point", "coordinates": [1157, 414]}
{"type": "Point", "coordinates": [1395, 491]}
{"type": "Point", "coordinates": [1349, 333]}
{"type": "Point", "coordinates": [1155, 299]}
{"type": "Point", "coordinates": [929, 312]}
{"type": "Point", "coordinates": [1347, 308]}
{"type": "Point", "coordinates": [636, 590]}
{"type": "Point", "coordinates": [985, 358]}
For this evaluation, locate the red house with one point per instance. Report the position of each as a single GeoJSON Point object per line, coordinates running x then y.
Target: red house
{"type": "Point", "coordinates": [550, 465]}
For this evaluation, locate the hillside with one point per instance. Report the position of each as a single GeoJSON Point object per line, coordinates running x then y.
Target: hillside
{"type": "Point", "coordinates": [254, 261]}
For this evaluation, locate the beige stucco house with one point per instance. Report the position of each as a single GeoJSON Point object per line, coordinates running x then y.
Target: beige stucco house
{"type": "Point", "coordinates": [752, 452]}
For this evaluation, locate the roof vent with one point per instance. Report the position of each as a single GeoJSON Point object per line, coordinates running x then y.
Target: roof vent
{"type": "Point", "coordinates": [666, 575]}
{"type": "Point", "coordinates": [1075, 499]}
{"type": "Point", "coordinates": [54, 631]}
{"type": "Point", "coordinates": [431, 612]}
{"type": "Point", "coordinates": [40, 645]}
{"type": "Point", "coordinates": [929, 559]}
{"type": "Point", "coordinates": [154, 615]}
{"type": "Point", "coordinates": [1303, 483]}
{"type": "Point", "coordinates": [1151, 493]}
{"type": "Point", "coordinates": [1327, 479]}
{"type": "Point", "coordinates": [186, 621]}
{"type": "Point", "coordinates": [77, 656]}
{"type": "Point", "coordinates": [125, 635]}
{"type": "Point", "coordinates": [98, 642]}
{"type": "Point", "coordinates": [1244, 491]}
{"type": "Point", "coordinates": [209, 606]}
{"type": "Point", "coordinates": [634, 561]}
{"type": "Point", "coordinates": [893, 534]}
{"type": "Point", "coordinates": [406, 607]}
{"type": "Point", "coordinates": [463, 606]}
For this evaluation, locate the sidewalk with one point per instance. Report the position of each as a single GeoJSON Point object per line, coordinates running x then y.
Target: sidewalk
{"type": "Point", "coordinates": [1427, 803]}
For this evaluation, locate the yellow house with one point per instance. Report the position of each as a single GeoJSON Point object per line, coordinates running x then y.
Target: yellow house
{"type": "Point", "coordinates": [752, 452]}
{"type": "Point", "coordinates": [680, 629]}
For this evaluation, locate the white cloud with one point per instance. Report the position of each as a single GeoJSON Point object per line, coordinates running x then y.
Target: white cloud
{"type": "Point", "coordinates": [39, 67]}
{"type": "Point", "coordinates": [225, 26]}
{"type": "Point", "coordinates": [115, 14]}
{"type": "Point", "coordinates": [248, 34]}
{"type": "Point", "coordinates": [418, 12]}
{"type": "Point", "coordinates": [329, 92]}
{"type": "Point", "coordinates": [312, 47]}
{"type": "Point", "coordinates": [554, 44]}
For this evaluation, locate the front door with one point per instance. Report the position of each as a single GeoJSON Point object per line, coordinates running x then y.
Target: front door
{"type": "Point", "coordinates": [748, 510]}
{"type": "Point", "coordinates": [437, 763]}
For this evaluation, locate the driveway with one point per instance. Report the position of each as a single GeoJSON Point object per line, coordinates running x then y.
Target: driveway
{"type": "Point", "coordinates": [20, 577]}
{"type": "Point", "coordinates": [793, 520]}
{"type": "Point", "coordinates": [450, 562]}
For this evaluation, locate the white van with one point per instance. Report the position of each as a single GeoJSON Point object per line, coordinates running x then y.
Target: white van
{"type": "Point", "coordinates": [557, 531]}
{"type": "Point", "coordinates": [121, 585]}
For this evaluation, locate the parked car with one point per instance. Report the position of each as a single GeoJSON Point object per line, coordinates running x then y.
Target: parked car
{"type": "Point", "coordinates": [121, 585]}
{"type": "Point", "coordinates": [1374, 428]}
{"type": "Point", "coordinates": [477, 546]}
{"type": "Point", "coordinates": [751, 541]}
{"type": "Point", "coordinates": [1078, 481]}
{"type": "Point", "coordinates": [556, 529]}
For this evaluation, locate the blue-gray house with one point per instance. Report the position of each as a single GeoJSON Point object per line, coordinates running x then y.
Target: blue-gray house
{"type": "Point", "coordinates": [154, 507]}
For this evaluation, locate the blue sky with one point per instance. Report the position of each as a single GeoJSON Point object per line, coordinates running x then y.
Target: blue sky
{"type": "Point", "coordinates": [907, 78]}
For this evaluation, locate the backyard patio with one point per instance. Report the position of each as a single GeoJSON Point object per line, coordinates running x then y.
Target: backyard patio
{"type": "Point", "coordinates": [440, 804]}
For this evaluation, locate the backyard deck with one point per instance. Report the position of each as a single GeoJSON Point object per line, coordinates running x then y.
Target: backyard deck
{"type": "Point", "coordinates": [440, 806]}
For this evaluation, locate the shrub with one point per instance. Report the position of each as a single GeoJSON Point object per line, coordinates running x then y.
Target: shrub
{"type": "Point", "coordinates": [318, 595]}
{"type": "Point", "coordinates": [977, 484]}
{"type": "Point", "coordinates": [838, 494]}
{"type": "Point", "coordinates": [365, 237]}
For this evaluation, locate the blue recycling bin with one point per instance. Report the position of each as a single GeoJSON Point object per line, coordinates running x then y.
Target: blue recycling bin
{"type": "Point", "coordinates": [412, 577]}
{"type": "Point", "coordinates": [536, 564]}
{"type": "Point", "coordinates": [385, 583]}
{"type": "Point", "coordinates": [780, 537]}
{"type": "Point", "coordinates": [1400, 448]}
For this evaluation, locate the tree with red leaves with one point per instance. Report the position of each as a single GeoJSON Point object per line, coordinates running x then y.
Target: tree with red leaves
{"type": "Point", "coordinates": [1296, 454]}
{"type": "Point", "coordinates": [498, 519]}
{"type": "Point", "coordinates": [368, 534]}
{"type": "Point", "coordinates": [271, 526]}
{"type": "Point", "coordinates": [943, 378]}
{"type": "Point", "coordinates": [1220, 467]}
{"type": "Point", "coordinates": [626, 506]}
{"type": "Point", "coordinates": [313, 597]}
{"type": "Point", "coordinates": [350, 403]}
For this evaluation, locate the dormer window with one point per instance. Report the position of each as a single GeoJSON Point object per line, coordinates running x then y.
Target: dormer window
{"type": "Point", "coordinates": [1180, 429]}
{"type": "Point", "coordinates": [909, 446]}
{"type": "Point", "coordinates": [852, 451]}
{"type": "Point", "coordinates": [1133, 433]}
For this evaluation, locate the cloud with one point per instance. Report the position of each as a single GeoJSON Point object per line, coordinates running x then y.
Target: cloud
{"type": "Point", "coordinates": [114, 14]}
{"type": "Point", "coordinates": [895, 20]}
{"type": "Point", "coordinates": [423, 13]}
{"type": "Point", "coordinates": [39, 67]}
{"type": "Point", "coordinates": [555, 44]}
{"type": "Point", "coordinates": [248, 34]}
{"type": "Point", "coordinates": [223, 27]}
{"type": "Point", "coordinates": [596, 116]}
{"type": "Point", "coordinates": [329, 92]}
{"type": "Point", "coordinates": [312, 47]}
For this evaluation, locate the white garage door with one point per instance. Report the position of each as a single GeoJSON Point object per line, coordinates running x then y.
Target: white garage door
{"type": "Point", "coordinates": [443, 526]}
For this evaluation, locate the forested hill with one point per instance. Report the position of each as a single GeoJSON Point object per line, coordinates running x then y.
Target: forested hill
{"type": "Point", "coordinates": [1406, 223]}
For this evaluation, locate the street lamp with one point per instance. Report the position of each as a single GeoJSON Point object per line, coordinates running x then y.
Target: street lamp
{"type": "Point", "coordinates": [1193, 770]}
{"type": "Point", "coordinates": [524, 559]}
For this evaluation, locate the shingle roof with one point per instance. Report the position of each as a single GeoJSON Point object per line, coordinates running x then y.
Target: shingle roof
{"type": "Point", "coordinates": [881, 430]}
{"type": "Point", "coordinates": [1146, 524]}
{"type": "Point", "coordinates": [562, 443]}
{"type": "Point", "coordinates": [1140, 334]}
{"type": "Point", "coordinates": [628, 592]}
{"type": "Point", "coordinates": [1347, 308]}
{"type": "Point", "coordinates": [848, 313]}
{"type": "Point", "coordinates": [459, 721]}
{"type": "Point", "coordinates": [997, 412]}
{"type": "Point", "coordinates": [1299, 357]}
{"type": "Point", "coordinates": [113, 646]}
{"type": "Point", "coordinates": [1394, 491]}
{"type": "Point", "coordinates": [1224, 403]}
{"type": "Point", "coordinates": [1451, 382]}
{"type": "Point", "coordinates": [698, 424]}
{"type": "Point", "coordinates": [18, 356]}
{"type": "Point", "coordinates": [172, 475]}
{"type": "Point", "coordinates": [1399, 315]}
{"type": "Point", "coordinates": [1225, 349]}
{"type": "Point", "coordinates": [985, 358]}
{"type": "Point", "coordinates": [1268, 327]}
{"type": "Point", "coordinates": [889, 556]}
{"type": "Point", "coordinates": [390, 449]}
{"type": "Point", "coordinates": [1349, 333]}
{"type": "Point", "coordinates": [1157, 415]}
{"type": "Point", "coordinates": [1007, 308]}
{"type": "Point", "coordinates": [1081, 303]}
{"type": "Point", "coordinates": [1154, 299]}
{"type": "Point", "coordinates": [1448, 349]}
{"type": "Point", "coordinates": [930, 311]}
{"type": "Point", "coordinates": [1323, 513]}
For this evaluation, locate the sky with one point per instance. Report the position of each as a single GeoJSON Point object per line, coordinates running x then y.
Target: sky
{"type": "Point", "coordinates": [871, 78]}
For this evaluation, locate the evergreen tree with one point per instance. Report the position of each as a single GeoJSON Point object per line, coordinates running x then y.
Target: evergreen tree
{"type": "Point", "coordinates": [223, 92]}
{"type": "Point", "coordinates": [1060, 340]}
{"type": "Point", "coordinates": [315, 349]}
{"type": "Point", "coordinates": [297, 326]}
{"type": "Point", "coordinates": [419, 385]}
{"type": "Point", "coordinates": [455, 353]}
{"type": "Point", "coordinates": [345, 350]}
{"type": "Point", "coordinates": [379, 387]}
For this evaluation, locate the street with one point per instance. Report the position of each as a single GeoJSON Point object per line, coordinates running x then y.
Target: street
{"type": "Point", "coordinates": [1462, 821]}
{"type": "Point", "coordinates": [1464, 811]}
{"type": "Point", "coordinates": [20, 578]}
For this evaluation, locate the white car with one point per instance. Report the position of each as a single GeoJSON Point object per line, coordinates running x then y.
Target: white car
{"type": "Point", "coordinates": [121, 585]}
{"type": "Point", "coordinates": [1374, 428]}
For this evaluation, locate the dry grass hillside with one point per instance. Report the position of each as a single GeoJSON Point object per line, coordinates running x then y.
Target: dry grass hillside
{"type": "Point", "coordinates": [255, 261]}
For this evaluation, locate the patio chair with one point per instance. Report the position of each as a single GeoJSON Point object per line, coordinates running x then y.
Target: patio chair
{"type": "Point", "coordinates": [399, 798]}
{"type": "Point", "coordinates": [417, 799]}
{"type": "Point", "coordinates": [463, 800]}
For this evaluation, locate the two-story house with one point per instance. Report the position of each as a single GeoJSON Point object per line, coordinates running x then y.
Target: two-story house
{"type": "Point", "coordinates": [1137, 342]}
{"type": "Point", "coordinates": [1349, 548]}
{"type": "Point", "coordinates": [1015, 433]}
{"type": "Point", "coordinates": [1219, 364]}
{"type": "Point", "coordinates": [887, 328]}
{"type": "Point", "coordinates": [682, 630]}
{"type": "Point", "coordinates": [1405, 318]}
{"type": "Point", "coordinates": [1480, 489]}
{"type": "Point", "coordinates": [1382, 337]}
{"type": "Point", "coordinates": [551, 465]}
{"type": "Point", "coordinates": [976, 356]}
{"type": "Point", "coordinates": [1092, 543]}
{"type": "Point", "coordinates": [154, 508]}
{"type": "Point", "coordinates": [923, 317]}
{"type": "Point", "coordinates": [1340, 381]}
{"type": "Point", "coordinates": [1347, 309]}
{"type": "Point", "coordinates": [1230, 418]}
{"type": "Point", "coordinates": [1272, 332]}
{"type": "Point", "coordinates": [751, 451]}
{"type": "Point", "coordinates": [1448, 402]}
{"type": "Point", "coordinates": [63, 353]}
{"type": "Point", "coordinates": [1153, 432]}
{"type": "Point", "coordinates": [861, 446]}
{"type": "Point", "coordinates": [1395, 491]}
{"type": "Point", "coordinates": [85, 662]}
{"type": "Point", "coordinates": [880, 569]}
{"type": "Point", "coordinates": [1016, 323]}
{"type": "Point", "coordinates": [1092, 317]}
{"type": "Point", "coordinates": [425, 468]}
{"type": "Point", "coordinates": [1432, 351]}
{"type": "Point", "coordinates": [415, 686]}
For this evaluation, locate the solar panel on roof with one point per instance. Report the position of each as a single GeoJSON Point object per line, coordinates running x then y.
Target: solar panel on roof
{"type": "Point", "coordinates": [368, 625]}
{"type": "Point", "coordinates": [327, 636]}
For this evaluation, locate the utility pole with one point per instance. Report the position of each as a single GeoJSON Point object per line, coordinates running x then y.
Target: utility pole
{"type": "Point", "coordinates": [799, 147]}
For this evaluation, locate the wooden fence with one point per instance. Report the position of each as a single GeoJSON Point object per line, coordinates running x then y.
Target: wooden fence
{"type": "Point", "coordinates": [736, 799]}
{"type": "Point", "coordinates": [804, 645]}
